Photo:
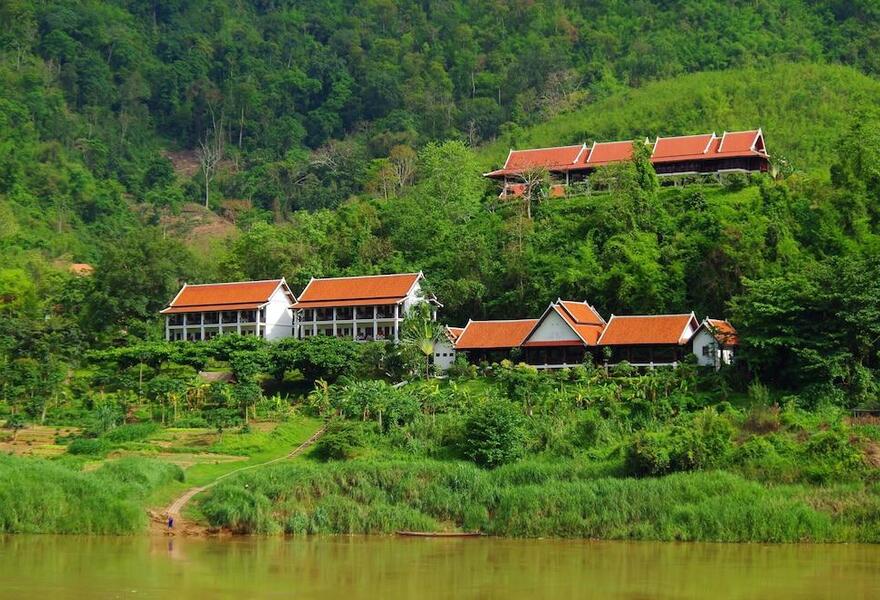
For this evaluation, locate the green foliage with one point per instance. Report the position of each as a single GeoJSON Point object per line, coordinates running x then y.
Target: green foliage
{"type": "Point", "coordinates": [700, 443]}
{"type": "Point", "coordinates": [39, 496]}
{"type": "Point", "coordinates": [89, 446]}
{"type": "Point", "coordinates": [493, 434]}
{"type": "Point", "coordinates": [341, 441]}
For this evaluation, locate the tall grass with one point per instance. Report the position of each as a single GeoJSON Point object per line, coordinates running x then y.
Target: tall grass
{"type": "Point", "coordinates": [39, 496]}
{"type": "Point", "coordinates": [526, 500]}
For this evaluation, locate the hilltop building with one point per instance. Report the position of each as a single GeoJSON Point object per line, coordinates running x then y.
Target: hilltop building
{"type": "Point", "coordinates": [363, 308]}
{"type": "Point", "coordinates": [200, 312]}
{"type": "Point", "coordinates": [673, 157]}
{"type": "Point", "coordinates": [715, 343]}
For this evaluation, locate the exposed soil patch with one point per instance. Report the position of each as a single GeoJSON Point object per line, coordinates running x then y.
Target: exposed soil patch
{"type": "Point", "coordinates": [35, 440]}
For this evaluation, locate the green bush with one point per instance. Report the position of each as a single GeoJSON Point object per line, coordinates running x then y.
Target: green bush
{"type": "Point", "coordinates": [493, 434]}
{"type": "Point", "coordinates": [131, 432]}
{"type": "Point", "coordinates": [90, 446]}
{"type": "Point", "coordinates": [702, 442]}
{"type": "Point", "coordinates": [341, 441]}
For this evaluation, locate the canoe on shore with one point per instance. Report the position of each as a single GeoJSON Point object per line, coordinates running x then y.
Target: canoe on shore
{"type": "Point", "coordinates": [440, 534]}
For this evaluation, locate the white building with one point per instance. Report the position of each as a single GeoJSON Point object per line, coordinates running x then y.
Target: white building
{"type": "Point", "coordinates": [361, 308]}
{"type": "Point", "coordinates": [715, 343]}
{"type": "Point", "coordinates": [201, 312]}
{"type": "Point", "coordinates": [444, 350]}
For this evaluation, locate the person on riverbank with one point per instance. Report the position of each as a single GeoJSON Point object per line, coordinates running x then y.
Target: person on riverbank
{"type": "Point", "coordinates": [170, 522]}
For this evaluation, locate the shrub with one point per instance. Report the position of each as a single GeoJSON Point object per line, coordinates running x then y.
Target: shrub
{"type": "Point", "coordinates": [698, 444]}
{"type": "Point", "coordinates": [89, 446]}
{"type": "Point", "coordinates": [341, 441]}
{"type": "Point", "coordinates": [493, 434]}
{"type": "Point", "coordinates": [131, 432]}
{"type": "Point", "coordinates": [762, 419]}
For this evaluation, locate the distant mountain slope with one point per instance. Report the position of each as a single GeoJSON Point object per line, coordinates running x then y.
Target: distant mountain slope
{"type": "Point", "coordinates": [803, 108]}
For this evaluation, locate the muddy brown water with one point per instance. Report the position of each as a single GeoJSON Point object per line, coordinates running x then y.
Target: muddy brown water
{"type": "Point", "coordinates": [387, 567]}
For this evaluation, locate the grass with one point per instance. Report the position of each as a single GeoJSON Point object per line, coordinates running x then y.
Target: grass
{"type": "Point", "coordinates": [39, 496]}
{"type": "Point", "coordinates": [534, 499]}
{"type": "Point", "coordinates": [257, 446]}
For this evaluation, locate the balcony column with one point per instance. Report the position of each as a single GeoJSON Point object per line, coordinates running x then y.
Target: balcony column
{"type": "Point", "coordinates": [238, 321]}
{"type": "Point", "coordinates": [354, 322]}
{"type": "Point", "coordinates": [220, 322]}
{"type": "Point", "coordinates": [314, 321]}
{"type": "Point", "coordinates": [396, 323]}
{"type": "Point", "coordinates": [375, 324]}
{"type": "Point", "coordinates": [202, 326]}
{"type": "Point", "coordinates": [334, 321]}
{"type": "Point", "coordinates": [167, 328]}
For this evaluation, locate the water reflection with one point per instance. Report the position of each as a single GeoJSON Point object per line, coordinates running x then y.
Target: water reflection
{"type": "Point", "coordinates": [387, 567]}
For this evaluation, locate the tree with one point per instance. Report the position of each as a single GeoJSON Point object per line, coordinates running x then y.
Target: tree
{"type": "Point", "coordinates": [210, 153]}
{"type": "Point", "coordinates": [420, 333]}
{"type": "Point", "coordinates": [535, 184]}
{"type": "Point", "coordinates": [493, 434]}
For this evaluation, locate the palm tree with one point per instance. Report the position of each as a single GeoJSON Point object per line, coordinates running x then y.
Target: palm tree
{"type": "Point", "coordinates": [420, 334]}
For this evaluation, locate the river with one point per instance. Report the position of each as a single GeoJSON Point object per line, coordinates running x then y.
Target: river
{"type": "Point", "coordinates": [389, 568]}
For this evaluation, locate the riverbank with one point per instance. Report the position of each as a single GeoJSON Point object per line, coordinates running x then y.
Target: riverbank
{"type": "Point", "coordinates": [565, 499]}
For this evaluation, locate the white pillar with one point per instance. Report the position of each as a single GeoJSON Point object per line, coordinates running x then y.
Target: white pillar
{"type": "Point", "coordinates": [167, 330]}
{"type": "Point", "coordinates": [354, 322]}
{"type": "Point", "coordinates": [334, 321]}
{"type": "Point", "coordinates": [396, 323]}
{"type": "Point", "coordinates": [238, 321]}
{"type": "Point", "coordinates": [375, 324]}
{"type": "Point", "coordinates": [202, 326]}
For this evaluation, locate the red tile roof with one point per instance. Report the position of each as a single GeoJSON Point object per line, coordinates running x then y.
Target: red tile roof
{"type": "Point", "coordinates": [81, 269]}
{"type": "Point", "coordinates": [665, 149]}
{"type": "Point", "coordinates": [722, 331]}
{"type": "Point", "coordinates": [364, 290]}
{"type": "Point", "coordinates": [603, 153]}
{"type": "Point", "coordinates": [454, 332]}
{"type": "Point", "coordinates": [492, 335]}
{"type": "Point", "coordinates": [240, 295]}
{"type": "Point", "coordinates": [647, 329]}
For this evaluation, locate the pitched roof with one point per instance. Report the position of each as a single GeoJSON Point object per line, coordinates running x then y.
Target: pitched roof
{"type": "Point", "coordinates": [603, 153]}
{"type": "Point", "coordinates": [490, 335]}
{"type": "Point", "coordinates": [239, 295]}
{"type": "Point", "coordinates": [722, 331]}
{"type": "Point", "coordinates": [362, 290]}
{"type": "Point", "coordinates": [634, 330]}
{"type": "Point", "coordinates": [585, 323]}
{"type": "Point", "coordinates": [454, 332]}
{"type": "Point", "coordinates": [702, 146]}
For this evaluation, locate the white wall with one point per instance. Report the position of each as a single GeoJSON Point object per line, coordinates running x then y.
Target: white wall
{"type": "Point", "coordinates": [553, 329]}
{"type": "Point", "coordinates": [444, 355]}
{"type": "Point", "coordinates": [713, 355]}
{"type": "Point", "coordinates": [279, 316]}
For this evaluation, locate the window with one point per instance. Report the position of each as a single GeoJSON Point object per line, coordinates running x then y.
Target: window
{"type": "Point", "coordinates": [706, 350]}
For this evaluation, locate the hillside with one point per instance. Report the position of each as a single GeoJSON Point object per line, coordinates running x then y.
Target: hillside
{"type": "Point", "coordinates": [803, 108]}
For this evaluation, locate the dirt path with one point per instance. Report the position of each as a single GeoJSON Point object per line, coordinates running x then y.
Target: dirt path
{"type": "Point", "coordinates": [159, 521]}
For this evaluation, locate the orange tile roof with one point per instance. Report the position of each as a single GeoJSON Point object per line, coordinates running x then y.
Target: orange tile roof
{"type": "Point", "coordinates": [736, 142]}
{"type": "Point", "coordinates": [81, 269]}
{"type": "Point", "coordinates": [665, 149]}
{"type": "Point", "coordinates": [214, 296]}
{"type": "Point", "coordinates": [603, 153]}
{"type": "Point", "coordinates": [646, 329]}
{"type": "Point", "coordinates": [455, 332]}
{"type": "Point", "coordinates": [365, 290]}
{"type": "Point", "coordinates": [582, 312]}
{"type": "Point", "coordinates": [171, 310]}
{"type": "Point", "coordinates": [490, 335]}
{"type": "Point", "coordinates": [723, 331]}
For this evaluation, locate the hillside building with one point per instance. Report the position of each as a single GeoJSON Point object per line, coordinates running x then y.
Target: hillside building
{"type": "Point", "coordinates": [201, 312]}
{"type": "Point", "coordinates": [673, 158]}
{"type": "Point", "coordinates": [648, 340]}
{"type": "Point", "coordinates": [715, 343]}
{"type": "Point", "coordinates": [362, 308]}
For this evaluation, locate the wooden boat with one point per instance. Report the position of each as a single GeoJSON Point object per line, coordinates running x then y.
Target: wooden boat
{"type": "Point", "coordinates": [440, 534]}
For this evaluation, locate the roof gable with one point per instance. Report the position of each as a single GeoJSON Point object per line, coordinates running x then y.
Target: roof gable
{"type": "Point", "coordinates": [738, 142]}
{"type": "Point", "coordinates": [489, 335]}
{"type": "Point", "coordinates": [633, 330]}
{"type": "Point", "coordinates": [216, 296]}
{"type": "Point", "coordinates": [721, 330]}
{"type": "Point", "coordinates": [387, 288]}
